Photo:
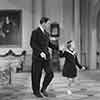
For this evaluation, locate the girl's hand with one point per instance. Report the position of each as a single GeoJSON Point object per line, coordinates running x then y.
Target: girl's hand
{"type": "Point", "coordinates": [83, 68]}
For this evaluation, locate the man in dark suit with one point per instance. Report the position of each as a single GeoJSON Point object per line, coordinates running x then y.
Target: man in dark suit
{"type": "Point", "coordinates": [41, 58]}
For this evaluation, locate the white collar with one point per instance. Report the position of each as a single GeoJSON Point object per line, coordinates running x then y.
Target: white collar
{"type": "Point", "coordinates": [73, 53]}
{"type": "Point", "coordinates": [41, 28]}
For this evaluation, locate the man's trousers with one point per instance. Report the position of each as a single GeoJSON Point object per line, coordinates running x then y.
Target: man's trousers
{"type": "Point", "coordinates": [36, 73]}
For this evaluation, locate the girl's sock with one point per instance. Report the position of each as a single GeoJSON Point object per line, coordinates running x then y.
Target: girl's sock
{"type": "Point", "coordinates": [69, 92]}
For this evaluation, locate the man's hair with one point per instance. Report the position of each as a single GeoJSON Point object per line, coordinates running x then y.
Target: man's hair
{"type": "Point", "coordinates": [44, 20]}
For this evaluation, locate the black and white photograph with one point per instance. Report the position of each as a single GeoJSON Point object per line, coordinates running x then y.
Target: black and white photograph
{"type": "Point", "coordinates": [49, 49]}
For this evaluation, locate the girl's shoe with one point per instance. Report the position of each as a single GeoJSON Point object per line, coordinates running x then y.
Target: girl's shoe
{"type": "Point", "coordinates": [69, 92]}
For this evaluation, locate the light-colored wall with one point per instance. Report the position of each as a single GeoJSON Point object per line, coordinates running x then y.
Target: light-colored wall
{"type": "Point", "coordinates": [54, 10]}
{"type": "Point", "coordinates": [68, 19]}
{"type": "Point", "coordinates": [25, 6]}
{"type": "Point", "coordinates": [94, 9]}
{"type": "Point", "coordinates": [37, 8]}
{"type": "Point", "coordinates": [58, 10]}
{"type": "Point", "coordinates": [89, 12]}
{"type": "Point", "coordinates": [61, 11]}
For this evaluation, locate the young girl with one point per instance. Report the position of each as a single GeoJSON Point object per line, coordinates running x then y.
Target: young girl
{"type": "Point", "coordinates": [70, 64]}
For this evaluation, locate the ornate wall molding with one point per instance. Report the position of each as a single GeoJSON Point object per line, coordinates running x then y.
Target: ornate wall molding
{"type": "Point", "coordinates": [10, 52]}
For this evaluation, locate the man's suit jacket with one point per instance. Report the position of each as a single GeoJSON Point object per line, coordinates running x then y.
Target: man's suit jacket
{"type": "Point", "coordinates": [39, 43]}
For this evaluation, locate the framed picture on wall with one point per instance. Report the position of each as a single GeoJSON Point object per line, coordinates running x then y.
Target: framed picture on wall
{"type": "Point", "coordinates": [10, 28]}
{"type": "Point", "coordinates": [55, 29]}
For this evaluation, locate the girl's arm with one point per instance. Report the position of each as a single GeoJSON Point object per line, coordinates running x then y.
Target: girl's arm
{"type": "Point", "coordinates": [77, 62]}
{"type": "Point", "coordinates": [61, 53]}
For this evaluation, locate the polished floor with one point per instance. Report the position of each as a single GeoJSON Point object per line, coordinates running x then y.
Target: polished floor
{"type": "Point", "coordinates": [87, 87]}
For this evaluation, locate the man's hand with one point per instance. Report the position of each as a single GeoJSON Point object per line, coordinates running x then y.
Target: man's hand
{"type": "Point", "coordinates": [43, 55]}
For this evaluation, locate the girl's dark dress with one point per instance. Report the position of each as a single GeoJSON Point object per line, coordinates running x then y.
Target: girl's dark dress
{"type": "Point", "coordinates": [69, 68]}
